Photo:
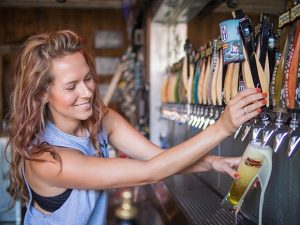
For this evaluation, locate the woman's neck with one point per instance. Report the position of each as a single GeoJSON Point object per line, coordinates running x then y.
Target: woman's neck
{"type": "Point", "coordinates": [75, 128]}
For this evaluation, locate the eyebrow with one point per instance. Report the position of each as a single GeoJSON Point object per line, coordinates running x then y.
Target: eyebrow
{"type": "Point", "coordinates": [75, 81]}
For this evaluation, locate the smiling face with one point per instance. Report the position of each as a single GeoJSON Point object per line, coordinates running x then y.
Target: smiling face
{"type": "Point", "coordinates": [72, 90]}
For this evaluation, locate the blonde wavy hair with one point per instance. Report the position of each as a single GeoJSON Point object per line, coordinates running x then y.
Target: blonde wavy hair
{"type": "Point", "coordinates": [29, 111]}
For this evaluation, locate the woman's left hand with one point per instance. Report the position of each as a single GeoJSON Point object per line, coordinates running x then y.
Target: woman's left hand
{"type": "Point", "coordinates": [225, 165]}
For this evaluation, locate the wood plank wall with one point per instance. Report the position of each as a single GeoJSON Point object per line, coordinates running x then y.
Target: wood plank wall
{"type": "Point", "coordinates": [203, 30]}
{"type": "Point", "coordinates": [17, 24]}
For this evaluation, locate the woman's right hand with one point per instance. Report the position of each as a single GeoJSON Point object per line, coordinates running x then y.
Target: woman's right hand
{"type": "Point", "coordinates": [244, 106]}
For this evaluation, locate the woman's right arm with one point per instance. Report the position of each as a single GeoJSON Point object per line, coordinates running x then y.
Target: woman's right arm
{"type": "Point", "coordinates": [82, 172]}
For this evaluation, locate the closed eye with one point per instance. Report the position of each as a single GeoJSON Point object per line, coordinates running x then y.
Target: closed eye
{"type": "Point", "coordinates": [70, 88]}
{"type": "Point", "coordinates": [89, 77]}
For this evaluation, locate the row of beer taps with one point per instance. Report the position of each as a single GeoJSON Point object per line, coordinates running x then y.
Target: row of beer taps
{"type": "Point", "coordinates": [196, 116]}
{"type": "Point", "coordinates": [274, 129]}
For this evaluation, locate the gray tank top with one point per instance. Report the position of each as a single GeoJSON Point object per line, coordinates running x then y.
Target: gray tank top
{"type": "Point", "coordinates": [83, 207]}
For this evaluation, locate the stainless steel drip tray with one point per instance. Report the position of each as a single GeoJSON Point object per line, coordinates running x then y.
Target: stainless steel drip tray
{"type": "Point", "coordinates": [189, 200]}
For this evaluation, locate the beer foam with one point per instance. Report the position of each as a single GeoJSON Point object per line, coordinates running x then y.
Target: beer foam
{"type": "Point", "coordinates": [258, 144]}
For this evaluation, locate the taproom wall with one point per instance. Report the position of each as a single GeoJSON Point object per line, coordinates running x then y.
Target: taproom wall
{"type": "Point", "coordinates": [17, 24]}
{"type": "Point", "coordinates": [282, 198]}
{"type": "Point", "coordinates": [203, 29]}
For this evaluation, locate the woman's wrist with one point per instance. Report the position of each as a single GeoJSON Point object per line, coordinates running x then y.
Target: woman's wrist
{"type": "Point", "coordinates": [221, 128]}
{"type": "Point", "coordinates": [209, 159]}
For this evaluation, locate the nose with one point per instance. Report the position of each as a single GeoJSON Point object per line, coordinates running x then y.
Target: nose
{"type": "Point", "coordinates": [85, 91]}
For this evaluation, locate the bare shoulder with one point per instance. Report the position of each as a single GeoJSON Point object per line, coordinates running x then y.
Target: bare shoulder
{"type": "Point", "coordinates": [46, 166]}
{"type": "Point", "coordinates": [112, 120]}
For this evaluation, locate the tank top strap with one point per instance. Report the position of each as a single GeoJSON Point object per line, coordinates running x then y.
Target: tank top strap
{"type": "Point", "coordinates": [103, 141]}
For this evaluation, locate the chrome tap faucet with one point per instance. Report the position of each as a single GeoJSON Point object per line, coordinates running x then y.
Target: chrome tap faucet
{"type": "Point", "coordinates": [190, 112]}
{"type": "Point", "coordinates": [256, 126]}
{"type": "Point", "coordinates": [279, 133]}
{"type": "Point", "coordinates": [202, 117]}
{"type": "Point", "coordinates": [246, 130]}
{"type": "Point", "coordinates": [215, 116]}
{"type": "Point", "coordinates": [197, 116]}
{"type": "Point", "coordinates": [268, 129]}
{"type": "Point", "coordinates": [294, 136]}
{"type": "Point", "coordinates": [209, 117]}
{"type": "Point", "coordinates": [238, 132]}
{"type": "Point", "coordinates": [259, 126]}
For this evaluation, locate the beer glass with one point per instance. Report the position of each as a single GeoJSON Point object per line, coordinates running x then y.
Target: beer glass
{"type": "Point", "coordinates": [248, 170]}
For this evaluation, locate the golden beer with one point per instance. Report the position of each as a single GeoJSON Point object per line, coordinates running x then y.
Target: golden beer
{"type": "Point", "coordinates": [248, 169]}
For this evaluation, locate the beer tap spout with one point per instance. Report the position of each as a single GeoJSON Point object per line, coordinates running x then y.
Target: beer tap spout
{"type": "Point", "coordinates": [294, 144]}
{"type": "Point", "coordinates": [238, 132]}
{"type": "Point", "coordinates": [246, 131]}
{"type": "Point", "coordinates": [248, 127]}
{"type": "Point", "coordinates": [257, 129]}
{"type": "Point", "coordinates": [272, 130]}
{"type": "Point", "coordinates": [268, 134]}
{"type": "Point", "coordinates": [294, 136]}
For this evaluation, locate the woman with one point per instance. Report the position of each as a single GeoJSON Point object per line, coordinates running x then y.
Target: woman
{"type": "Point", "coordinates": [60, 127]}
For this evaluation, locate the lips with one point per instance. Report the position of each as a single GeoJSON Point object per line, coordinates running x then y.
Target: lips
{"type": "Point", "coordinates": [84, 106]}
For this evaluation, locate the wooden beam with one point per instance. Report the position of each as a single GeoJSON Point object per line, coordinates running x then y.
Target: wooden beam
{"type": "Point", "coordinates": [257, 7]}
{"type": "Point", "coordinates": [101, 4]}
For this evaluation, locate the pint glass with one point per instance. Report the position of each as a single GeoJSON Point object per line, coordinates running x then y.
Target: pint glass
{"type": "Point", "coordinates": [248, 170]}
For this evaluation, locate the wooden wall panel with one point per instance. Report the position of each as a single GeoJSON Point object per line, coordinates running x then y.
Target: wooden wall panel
{"type": "Point", "coordinates": [202, 30]}
{"type": "Point", "coordinates": [17, 24]}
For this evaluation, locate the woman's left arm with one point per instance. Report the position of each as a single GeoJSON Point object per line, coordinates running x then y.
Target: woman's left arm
{"type": "Point", "coordinates": [137, 146]}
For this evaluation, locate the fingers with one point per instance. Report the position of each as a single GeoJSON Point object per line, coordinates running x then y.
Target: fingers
{"type": "Point", "coordinates": [249, 116]}
{"type": "Point", "coordinates": [229, 163]}
{"type": "Point", "coordinates": [246, 105]}
{"type": "Point", "coordinates": [249, 102]}
{"type": "Point", "coordinates": [248, 97]}
{"type": "Point", "coordinates": [254, 106]}
{"type": "Point", "coordinates": [231, 172]}
{"type": "Point", "coordinates": [233, 161]}
{"type": "Point", "coordinates": [245, 93]}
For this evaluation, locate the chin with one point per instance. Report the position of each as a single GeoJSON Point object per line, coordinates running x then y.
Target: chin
{"type": "Point", "coordinates": [87, 116]}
